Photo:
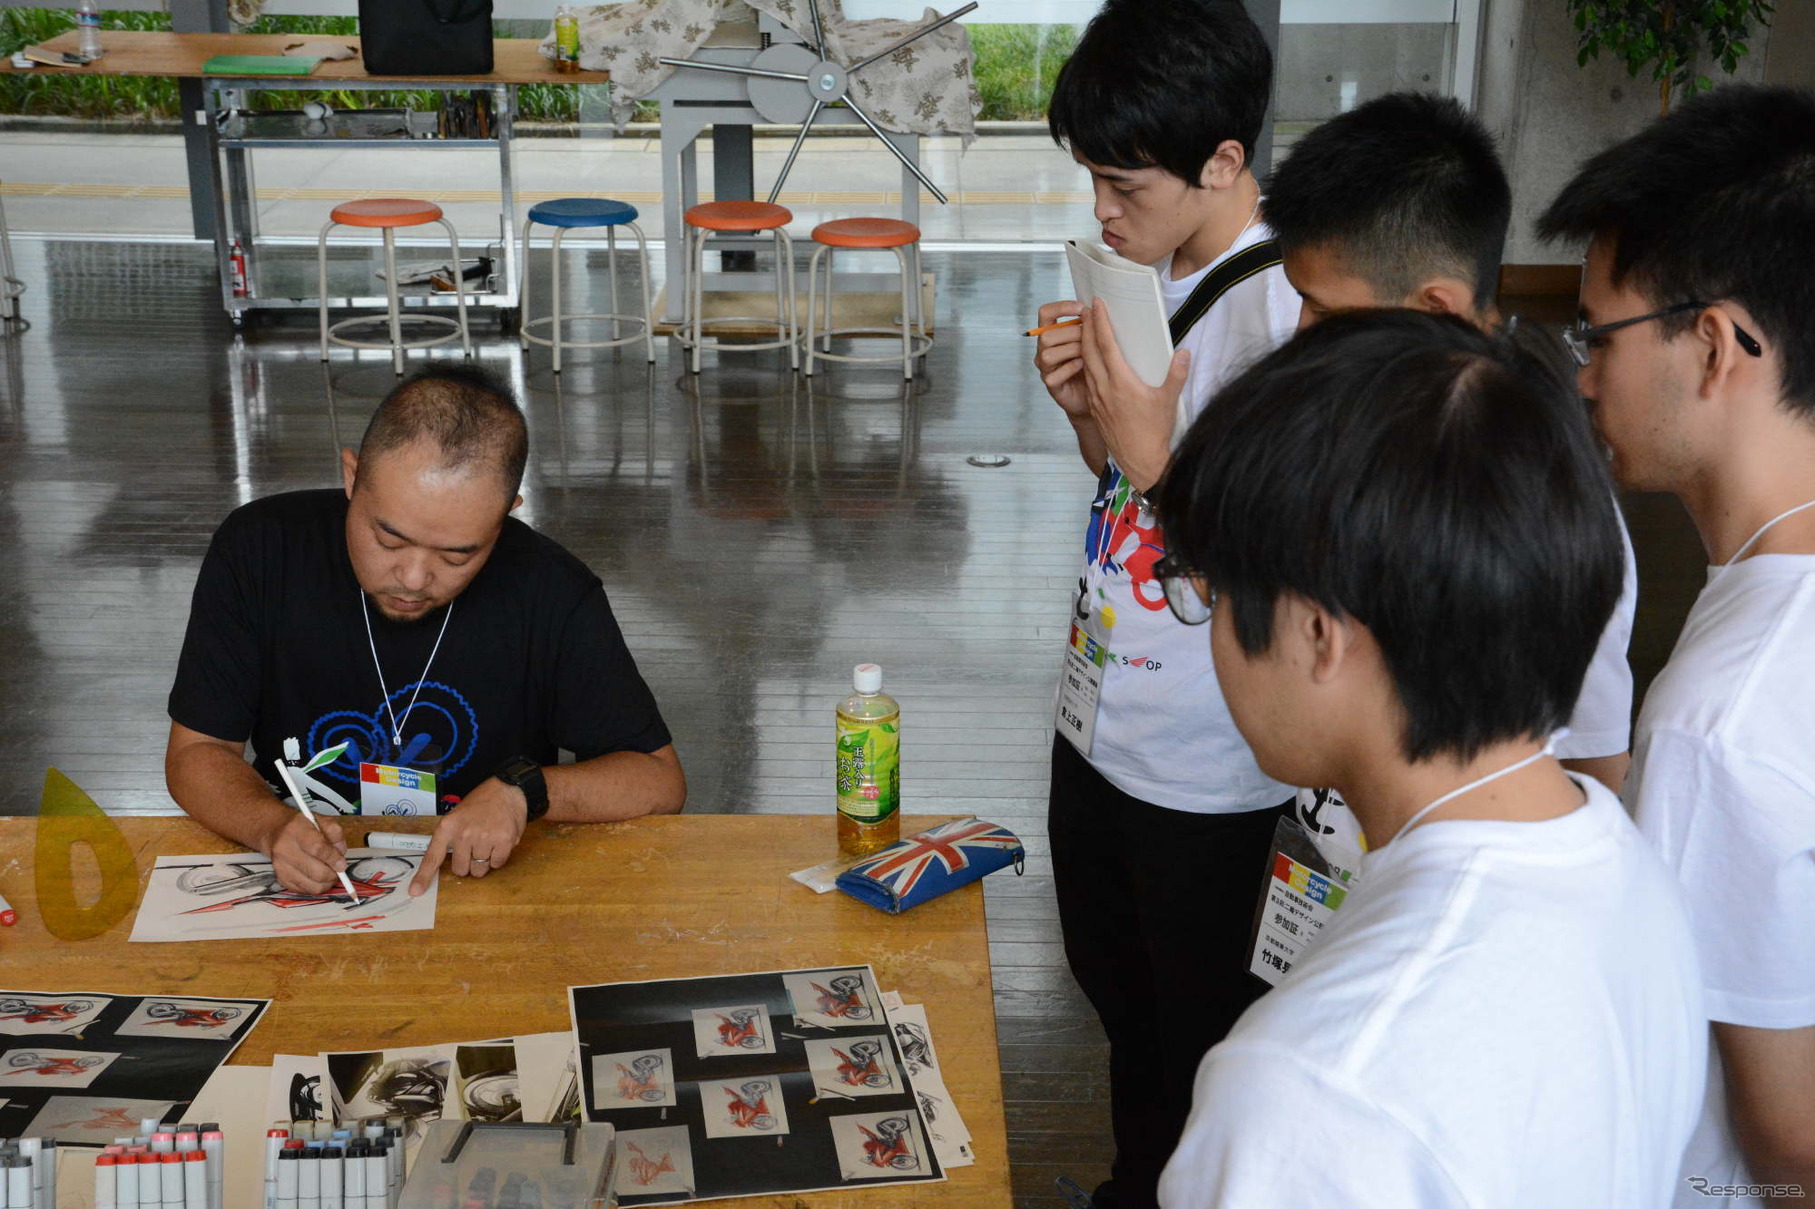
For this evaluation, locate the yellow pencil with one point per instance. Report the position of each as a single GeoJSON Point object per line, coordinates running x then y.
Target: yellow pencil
{"type": "Point", "coordinates": [1053, 327]}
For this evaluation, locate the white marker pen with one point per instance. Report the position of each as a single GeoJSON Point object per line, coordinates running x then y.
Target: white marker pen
{"type": "Point", "coordinates": [163, 1142]}
{"type": "Point", "coordinates": [104, 1182]}
{"type": "Point", "coordinates": [289, 1165]}
{"type": "Point", "coordinates": [150, 1125]}
{"type": "Point", "coordinates": [308, 1181]}
{"type": "Point", "coordinates": [170, 1179]}
{"type": "Point", "coordinates": [47, 1168]}
{"type": "Point", "coordinates": [397, 841]}
{"type": "Point", "coordinates": [274, 1146]}
{"type": "Point", "coordinates": [331, 1178]}
{"type": "Point", "coordinates": [353, 1182]}
{"type": "Point", "coordinates": [126, 1182]}
{"type": "Point", "coordinates": [30, 1150]}
{"type": "Point", "coordinates": [214, 1148]}
{"type": "Point", "coordinates": [378, 1179]}
{"type": "Point", "coordinates": [195, 1180]}
{"type": "Point", "coordinates": [19, 1182]}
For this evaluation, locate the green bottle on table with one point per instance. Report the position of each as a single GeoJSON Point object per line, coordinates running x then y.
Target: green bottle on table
{"type": "Point", "coordinates": [868, 765]}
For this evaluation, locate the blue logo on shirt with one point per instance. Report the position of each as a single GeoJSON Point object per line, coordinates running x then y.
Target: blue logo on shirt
{"type": "Point", "coordinates": [440, 717]}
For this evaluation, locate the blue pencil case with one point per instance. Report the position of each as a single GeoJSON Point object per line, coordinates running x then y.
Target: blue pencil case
{"type": "Point", "coordinates": [923, 866]}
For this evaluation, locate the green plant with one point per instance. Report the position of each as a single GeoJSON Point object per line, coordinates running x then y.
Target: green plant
{"type": "Point", "coordinates": [1668, 36]}
{"type": "Point", "coordinates": [1016, 66]}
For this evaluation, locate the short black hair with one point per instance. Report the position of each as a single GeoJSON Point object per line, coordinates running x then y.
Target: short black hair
{"type": "Point", "coordinates": [1163, 83]}
{"type": "Point", "coordinates": [1406, 187]}
{"type": "Point", "coordinates": [1438, 484]}
{"type": "Point", "coordinates": [1713, 202]}
{"type": "Point", "coordinates": [467, 412]}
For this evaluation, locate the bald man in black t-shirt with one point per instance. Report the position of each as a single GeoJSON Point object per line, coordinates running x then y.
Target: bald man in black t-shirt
{"type": "Point", "coordinates": [410, 614]}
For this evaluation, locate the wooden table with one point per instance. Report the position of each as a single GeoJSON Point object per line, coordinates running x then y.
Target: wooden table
{"type": "Point", "coordinates": [292, 285]}
{"type": "Point", "coordinates": [668, 897]}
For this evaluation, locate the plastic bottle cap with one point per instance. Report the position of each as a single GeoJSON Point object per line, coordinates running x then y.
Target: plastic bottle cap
{"type": "Point", "coordinates": [867, 678]}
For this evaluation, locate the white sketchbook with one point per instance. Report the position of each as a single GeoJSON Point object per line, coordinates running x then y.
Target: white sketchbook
{"type": "Point", "coordinates": [1131, 294]}
{"type": "Point", "coordinates": [236, 897]}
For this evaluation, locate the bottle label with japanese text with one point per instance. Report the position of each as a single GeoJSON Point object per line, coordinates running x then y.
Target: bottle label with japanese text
{"type": "Point", "coordinates": [869, 770]}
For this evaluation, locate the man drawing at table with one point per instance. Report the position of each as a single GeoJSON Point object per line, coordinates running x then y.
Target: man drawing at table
{"type": "Point", "coordinates": [413, 616]}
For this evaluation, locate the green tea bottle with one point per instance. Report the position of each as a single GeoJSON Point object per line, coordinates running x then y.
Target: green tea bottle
{"type": "Point", "coordinates": [868, 765]}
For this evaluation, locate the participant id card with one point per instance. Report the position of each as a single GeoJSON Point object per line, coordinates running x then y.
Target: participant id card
{"type": "Point", "coordinates": [387, 789]}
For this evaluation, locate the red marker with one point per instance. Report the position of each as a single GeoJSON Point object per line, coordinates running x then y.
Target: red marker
{"type": "Point", "coordinates": [8, 916]}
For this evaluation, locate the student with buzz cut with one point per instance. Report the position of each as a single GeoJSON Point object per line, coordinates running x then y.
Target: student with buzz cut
{"type": "Point", "coordinates": [1697, 353]}
{"type": "Point", "coordinates": [1401, 534]}
{"type": "Point", "coordinates": [1402, 202]}
{"type": "Point", "coordinates": [1160, 821]}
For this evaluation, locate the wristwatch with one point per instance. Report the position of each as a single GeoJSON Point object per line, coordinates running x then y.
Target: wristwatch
{"type": "Point", "coordinates": [526, 774]}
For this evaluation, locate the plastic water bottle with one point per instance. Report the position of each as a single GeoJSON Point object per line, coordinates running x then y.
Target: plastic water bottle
{"type": "Point", "coordinates": [868, 768]}
{"type": "Point", "coordinates": [88, 26]}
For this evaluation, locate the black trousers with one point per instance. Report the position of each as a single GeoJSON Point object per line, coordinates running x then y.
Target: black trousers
{"type": "Point", "coordinates": [1156, 907]}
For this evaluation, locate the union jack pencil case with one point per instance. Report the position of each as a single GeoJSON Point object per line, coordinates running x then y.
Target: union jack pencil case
{"type": "Point", "coordinates": [923, 866]}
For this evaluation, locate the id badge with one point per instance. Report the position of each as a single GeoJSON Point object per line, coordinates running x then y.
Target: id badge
{"type": "Point", "coordinates": [388, 789]}
{"type": "Point", "coordinates": [1301, 895]}
{"type": "Point", "coordinates": [1081, 674]}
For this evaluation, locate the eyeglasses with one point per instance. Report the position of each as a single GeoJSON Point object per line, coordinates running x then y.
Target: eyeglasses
{"type": "Point", "coordinates": [1580, 338]}
{"type": "Point", "coordinates": [1179, 582]}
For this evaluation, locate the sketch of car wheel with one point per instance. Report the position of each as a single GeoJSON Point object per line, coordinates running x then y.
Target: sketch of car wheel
{"type": "Point", "coordinates": [493, 1097]}
{"type": "Point", "coordinates": [24, 1059]}
{"type": "Point", "coordinates": [77, 1006]}
{"type": "Point", "coordinates": [876, 1080]}
{"type": "Point", "coordinates": [904, 1162]}
{"type": "Point", "coordinates": [653, 1095]}
{"type": "Point", "coordinates": [751, 1042]}
{"type": "Point", "coordinates": [210, 880]}
{"type": "Point", "coordinates": [763, 1120]}
{"type": "Point", "coordinates": [9, 1006]}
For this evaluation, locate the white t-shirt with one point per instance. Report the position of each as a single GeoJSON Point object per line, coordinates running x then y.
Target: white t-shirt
{"type": "Point", "coordinates": [1163, 733]}
{"type": "Point", "coordinates": [1723, 785]}
{"type": "Point", "coordinates": [1601, 724]}
{"type": "Point", "coordinates": [1502, 1015]}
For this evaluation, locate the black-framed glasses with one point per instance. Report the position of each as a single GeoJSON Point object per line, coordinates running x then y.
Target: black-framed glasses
{"type": "Point", "coordinates": [1579, 338]}
{"type": "Point", "coordinates": [1179, 582]}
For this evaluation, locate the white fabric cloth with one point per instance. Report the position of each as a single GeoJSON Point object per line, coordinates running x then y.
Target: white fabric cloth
{"type": "Point", "coordinates": [1163, 733]}
{"type": "Point", "coordinates": [1723, 785]}
{"type": "Point", "coordinates": [1502, 1015]}
{"type": "Point", "coordinates": [926, 87]}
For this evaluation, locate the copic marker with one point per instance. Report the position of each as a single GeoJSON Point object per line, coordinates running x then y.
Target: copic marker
{"type": "Point", "coordinates": [150, 1125]}
{"type": "Point", "coordinates": [163, 1142]}
{"type": "Point", "coordinates": [214, 1151]}
{"type": "Point", "coordinates": [195, 1180]}
{"type": "Point", "coordinates": [378, 1180]}
{"type": "Point", "coordinates": [332, 1178]}
{"type": "Point", "coordinates": [47, 1166]}
{"type": "Point", "coordinates": [170, 1179]}
{"type": "Point", "coordinates": [126, 1181]}
{"type": "Point", "coordinates": [9, 917]}
{"type": "Point", "coordinates": [308, 1180]}
{"type": "Point", "coordinates": [104, 1181]}
{"type": "Point", "coordinates": [18, 1182]}
{"type": "Point", "coordinates": [288, 1173]}
{"type": "Point", "coordinates": [353, 1176]}
{"type": "Point", "coordinates": [274, 1144]}
{"type": "Point", "coordinates": [188, 1138]}
{"type": "Point", "coordinates": [397, 841]}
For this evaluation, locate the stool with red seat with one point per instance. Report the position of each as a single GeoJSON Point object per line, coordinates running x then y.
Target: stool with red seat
{"type": "Point", "coordinates": [868, 234]}
{"type": "Point", "coordinates": [387, 214]}
{"type": "Point", "coordinates": [741, 217]}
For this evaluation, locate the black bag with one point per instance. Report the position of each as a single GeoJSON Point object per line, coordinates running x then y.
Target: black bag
{"type": "Point", "coordinates": [426, 37]}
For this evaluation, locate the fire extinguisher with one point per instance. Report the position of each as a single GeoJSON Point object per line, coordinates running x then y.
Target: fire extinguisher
{"type": "Point", "coordinates": [237, 260]}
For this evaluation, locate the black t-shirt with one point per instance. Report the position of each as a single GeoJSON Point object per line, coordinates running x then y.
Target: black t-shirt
{"type": "Point", "coordinates": [532, 661]}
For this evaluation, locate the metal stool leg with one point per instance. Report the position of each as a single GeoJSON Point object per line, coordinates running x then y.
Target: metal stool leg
{"type": "Point", "coordinates": [523, 313]}
{"type": "Point", "coordinates": [813, 301]}
{"type": "Point", "coordinates": [611, 260]}
{"type": "Point", "coordinates": [390, 296]}
{"type": "Point", "coordinates": [466, 339]}
{"type": "Point", "coordinates": [321, 291]}
{"type": "Point", "coordinates": [831, 275]}
{"type": "Point", "coordinates": [648, 304]}
{"type": "Point", "coordinates": [554, 277]}
{"type": "Point", "coordinates": [698, 297]}
{"type": "Point", "coordinates": [907, 323]}
{"type": "Point", "coordinates": [10, 285]}
{"type": "Point", "coordinates": [785, 264]}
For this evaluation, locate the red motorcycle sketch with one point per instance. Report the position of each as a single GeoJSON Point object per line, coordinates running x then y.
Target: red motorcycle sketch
{"type": "Point", "coordinates": [373, 878]}
{"type": "Point", "coordinates": [179, 1016]}
{"type": "Point", "coordinates": [644, 1169]}
{"type": "Point", "coordinates": [49, 1067]}
{"type": "Point", "coordinates": [750, 1105]}
{"type": "Point", "coordinates": [43, 1013]}
{"type": "Point", "coordinates": [888, 1146]}
{"type": "Point", "coordinates": [843, 999]}
{"type": "Point", "coordinates": [738, 1030]}
{"type": "Point", "coordinates": [862, 1066]}
{"type": "Point", "coordinates": [641, 1080]}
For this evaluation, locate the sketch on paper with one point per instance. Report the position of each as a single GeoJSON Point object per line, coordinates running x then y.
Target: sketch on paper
{"type": "Point", "coordinates": [296, 1092]}
{"type": "Point", "coordinates": [188, 1019]}
{"type": "Point", "coordinates": [741, 1029]}
{"type": "Point", "coordinates": [401, 1083]}
{"type": "Point", "coordinates": [873, 1146]}
{"type": "Point", "coordinates": [833, 998]}
{"type": "Point", "coordinates": [239, 897]}
{"type": "Point", "coordinates": [93, 1120]}
{"type": "Point", "coordinates": [654, 1160]}
{"type": "Point", "coordinates": [37, 1066]}
{"type": "Point", "coordinates": [486, 1079]}
{"type": "Point", "coordinates": [854, 1066]}
{"type": "Point", "coordinates": [746, 1108]}
{"type": "Point", "coordinates": [67, 1014]}
{"type": "Point", "coordinates": [633, 1079]}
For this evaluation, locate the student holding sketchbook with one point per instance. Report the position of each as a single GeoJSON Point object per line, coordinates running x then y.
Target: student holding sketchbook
{"type": "Point", "coordinates": [1160, 820]}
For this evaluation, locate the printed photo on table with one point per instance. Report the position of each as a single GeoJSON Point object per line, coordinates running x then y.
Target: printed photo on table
{"type": "Point", "coordinates": [633, 1079]}
{"type": "Point", "coordinates": [834, 998]}
{"type": "Point", "coordinates": [742, 1029]}
{"type": "Point", "coordinates": [654, 1161]}
{"type": "Point", "coordinates": [22, 1014]}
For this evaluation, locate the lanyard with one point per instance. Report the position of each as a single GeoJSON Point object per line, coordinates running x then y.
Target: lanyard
{"type": "Point", "coordinates": [365, 611]}
{"type": "Point", "coordinates": [1549, 747]}
{"type": "Point", "coordinates": [1763, 529]}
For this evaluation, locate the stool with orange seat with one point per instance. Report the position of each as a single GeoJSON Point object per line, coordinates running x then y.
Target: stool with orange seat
{"type": "Point", "coordinates": [868, 234]}
{"type": "Point", "coordinates": [743, 217]}
{"type": "Point", "coordinates": [387, 214]}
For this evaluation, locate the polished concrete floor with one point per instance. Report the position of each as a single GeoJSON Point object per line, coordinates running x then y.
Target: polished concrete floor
{"type": "Point", "coordinates": [758, 535]}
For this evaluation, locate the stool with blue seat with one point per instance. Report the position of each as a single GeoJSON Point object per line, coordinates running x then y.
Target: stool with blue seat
{"type": "Point", "coordinates": [586, 213]}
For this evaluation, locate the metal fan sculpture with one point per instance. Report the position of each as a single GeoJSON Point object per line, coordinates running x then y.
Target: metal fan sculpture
{"type": "Point", "coordinates": [790, 83]}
